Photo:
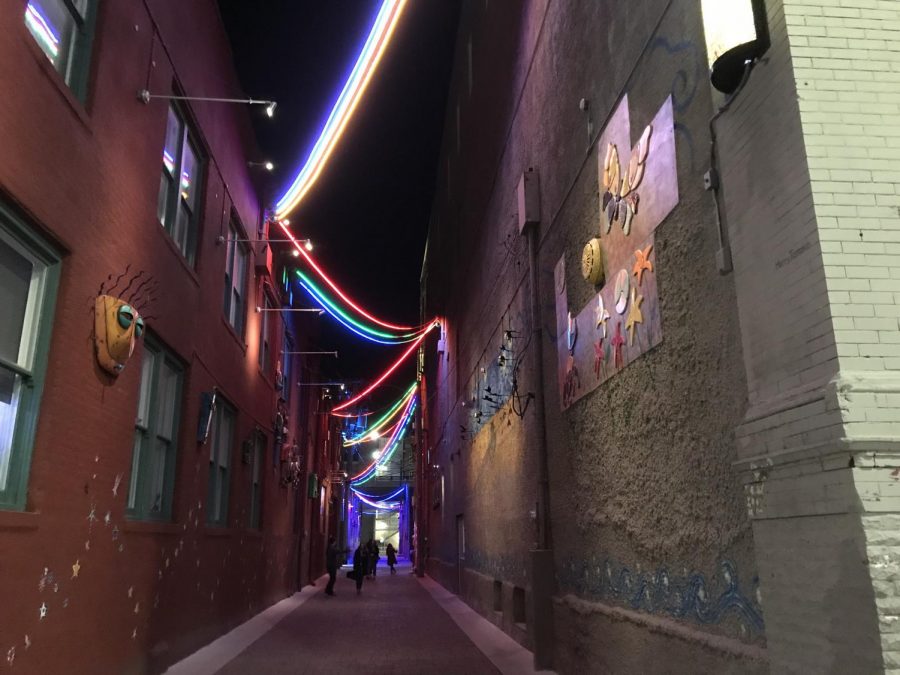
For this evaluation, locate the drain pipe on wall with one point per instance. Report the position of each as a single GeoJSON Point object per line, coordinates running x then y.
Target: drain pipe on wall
{"type": "Point", "coordinates": [541, 572]}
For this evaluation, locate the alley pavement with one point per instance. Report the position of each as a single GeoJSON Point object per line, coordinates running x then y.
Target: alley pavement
{"type": "Point", "coordinates": [394, 626]}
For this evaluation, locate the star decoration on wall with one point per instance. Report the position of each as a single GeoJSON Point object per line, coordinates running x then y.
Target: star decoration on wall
{"type": "Point", "coordinates": [115, 488]}
{"type": "Point", "coordinates": [618, 342]}
{"type": "Point", "coordinates": [27, 642]}
{"type": "Point", "coordinates": [134, 634]}
{"type": "Point", "coordinates": [76, 568]}
{"type": "Point", "coordinates": [43, 610]}
{"type": "Point", "coordinates": [602, 315]}
{"type": "Point", "coordinates": [131, 591]}
{"type": "Point", "coordinates": [598, 356]}
{"type": "Point", "coordinates": [634, 315]}
{"type": "Point", "coordinates": [107, 518]}
{"type": "Point", "coordinates": [642, 262]}
{"type": "Point", "coordinates": [92, 516]}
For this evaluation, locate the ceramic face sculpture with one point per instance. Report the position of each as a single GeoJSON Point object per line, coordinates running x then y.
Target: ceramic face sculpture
{"type": "Point", "coordinates": [116, 327]}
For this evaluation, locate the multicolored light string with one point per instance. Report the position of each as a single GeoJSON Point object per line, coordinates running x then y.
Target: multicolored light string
{"type": "Point", "coordinates": [374, 430]}
{"type": "Point", "coordinates": [366, 64]}
{"type": "Point", "coordinates": [353, 325]}
{"type": "Point", "coordinates": [369, 472]}
{"type": "Point", "coordinates": [318, 270]}
{"type": "Point", "coordinates": [381, 506]}
{"type": "Point", "coordinates": [368, 390]}
{"type": "Point", "coordinates": [379, 498]}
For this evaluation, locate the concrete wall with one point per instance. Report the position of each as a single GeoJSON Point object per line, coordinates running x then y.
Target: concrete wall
{"type": "Point", "coordinates": [86, 177]}
{"type": "Point", "coordinates": [648, 519]}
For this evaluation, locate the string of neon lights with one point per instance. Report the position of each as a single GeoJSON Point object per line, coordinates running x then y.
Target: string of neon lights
{"type": "Point", "coordinates": [351, 94]}
{"type": "Point", "coordinates": [318, 270]}
{"type": "Point", "coordinates": [379, 505]}
{"type": "Point", "coordinates": [389, 447]}
{"type": "Point", "coordinates": [369, 472]}
{"type": "Point", "coordinates": [348, 322]}
{"type": "Point", "coordinates": [380, 498]}
{"type": "Point", "coordinates": [365, 392]}
{"type": "Point", "coordinates": [383, 420]}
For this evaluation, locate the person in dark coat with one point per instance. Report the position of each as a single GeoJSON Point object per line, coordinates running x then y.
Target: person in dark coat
{"type": "Point", "coordinates": [331, 565]}
{"type": "Point", "coordinates": [391, 557]}
{"type": "Point", "coordinates": [374, 555]}
{"type": "Point", "coordinates": [360, 566]}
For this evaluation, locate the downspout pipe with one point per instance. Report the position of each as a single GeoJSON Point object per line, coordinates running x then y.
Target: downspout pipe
{"type": "Point", "coordinates": [541, 569]}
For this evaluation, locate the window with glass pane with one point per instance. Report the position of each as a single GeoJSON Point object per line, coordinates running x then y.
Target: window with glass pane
{"type": "Point", "coordinates": [155, 436]}
{"type": "Point", "coordinates": [220, 443]}
{"type": "Point", "coordinates": [264, 335]}
{"type": "Point", "coordinates": [259, 451]}
{"type": "Point", "coordinates": [64, 30]}
{"type": "Point", "coordinates": [27, 281]}
{"type": "Point", "coordinates": [235, 280]}
{"type": "Point", "coordinates": [179, 184]}
{"type": "Point", "coordinates": [287, 345]}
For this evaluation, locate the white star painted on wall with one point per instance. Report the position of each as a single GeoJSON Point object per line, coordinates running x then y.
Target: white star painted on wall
{"type": "Point", "coordinates": [43, 610]}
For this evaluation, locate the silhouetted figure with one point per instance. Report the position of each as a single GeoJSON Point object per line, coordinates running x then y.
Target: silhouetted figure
{"type": "Point", "coordinates": [331, 565]}
{"type": "Point", "coordinates": [374, 555]}
{"type": "Point", "coordinates": [360, 566]}
{"type": "Point", "coordinates": [391, 557]}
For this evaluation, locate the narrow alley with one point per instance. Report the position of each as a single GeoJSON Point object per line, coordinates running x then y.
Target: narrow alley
{"type": "Point", "coordinates": [586, 311]}
{"type": "Point", "coordinates": [398, 624]}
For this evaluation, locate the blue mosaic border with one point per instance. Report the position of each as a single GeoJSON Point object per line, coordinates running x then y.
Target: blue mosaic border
{"type": "Point", "coordinates": [690, 597]}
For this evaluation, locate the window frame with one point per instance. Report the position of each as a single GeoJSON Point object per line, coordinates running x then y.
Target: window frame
{"type": "Point", "coordinates": [141, 478]}
{"type": "Point", "coordinates": [188, 137]}
{"type": "Point", "coordinates": [264, 347]}
{"type": "Point", "coordinates": [222, 410]}
{"type": "Point", "coordinates": [233, 245]}
{"type": "Point", "coordinates": [257, 464]}
{"type": "Point", "coordinates": [78, 65]}
{"type": "Point", "coordinates": [13, 497]}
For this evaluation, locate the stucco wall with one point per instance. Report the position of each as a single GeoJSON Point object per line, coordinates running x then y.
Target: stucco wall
{"type": "Point", "coordinates": [647, 513]}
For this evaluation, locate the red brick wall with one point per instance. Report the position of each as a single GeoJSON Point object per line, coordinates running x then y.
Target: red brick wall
{"type": "Point", "coordinates": [87, 177]}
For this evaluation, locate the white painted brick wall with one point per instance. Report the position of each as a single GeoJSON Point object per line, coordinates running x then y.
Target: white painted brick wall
{"type": "Point", "coordinates": [846, 57]}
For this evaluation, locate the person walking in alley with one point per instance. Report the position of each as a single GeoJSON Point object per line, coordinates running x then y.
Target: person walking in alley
{"type": "Point", "coordinates": [331, 564]}
{"type": "Point", "coordinates": [360, 566]}
{"type": "Point", "coordinates": [374, 555]}
{"type": "Point", "coordinates": [391, 557]}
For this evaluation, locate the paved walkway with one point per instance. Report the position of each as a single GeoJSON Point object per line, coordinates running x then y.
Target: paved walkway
{"type": "Point", "coordinates": [399, 625]}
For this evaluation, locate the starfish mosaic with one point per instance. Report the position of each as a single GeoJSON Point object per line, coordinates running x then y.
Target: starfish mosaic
{"type": "Point", "coordinates": [618, 342]}
{"type": "Point", "coordinates": [634, 315]}
{"type": "Point", "coordinates": [642, 262]}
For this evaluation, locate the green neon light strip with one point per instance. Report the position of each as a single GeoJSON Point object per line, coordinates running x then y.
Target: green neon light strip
{"type": "Point", "coordinates": [404, 337]}
{"type": "Point", "coordinates": [384, 418]}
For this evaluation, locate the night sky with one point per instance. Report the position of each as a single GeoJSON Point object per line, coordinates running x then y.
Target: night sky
{"type": "Point", "coordinates": [367, 214]}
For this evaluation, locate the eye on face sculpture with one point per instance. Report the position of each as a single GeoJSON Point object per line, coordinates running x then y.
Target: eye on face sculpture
{"type": "Point", "coordinates": [116, 327]}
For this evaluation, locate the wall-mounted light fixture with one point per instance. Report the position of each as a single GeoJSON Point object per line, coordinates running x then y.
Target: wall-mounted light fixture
{"type": "Point", "coordinates": [334, 353]}
{"type": "Point", "coordinates": [268, 166]}
{"type": "Point", "coordinates": [318, 311]}
{"type": "Point", "coordinates": [145, 96]}
{"type": "Point", "coordinates": [736, 33]}
{"type": "Point", "coordinates": [307, 243]}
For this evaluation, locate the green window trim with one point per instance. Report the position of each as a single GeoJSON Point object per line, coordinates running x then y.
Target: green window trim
{"type": "Point", "coordinates": [149, 434]}
{"type": "Point", "coordinates": [13, 496]}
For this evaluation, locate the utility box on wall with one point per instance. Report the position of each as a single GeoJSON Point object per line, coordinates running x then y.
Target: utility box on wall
{"type": "Point", "coordinates": [528, 198]}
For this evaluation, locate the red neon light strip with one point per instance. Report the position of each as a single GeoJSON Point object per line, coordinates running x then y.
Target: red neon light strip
{"type": "Point", "coordinates": [412, 347]}
{"type": "Point", "coordinates": [336, 289]}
